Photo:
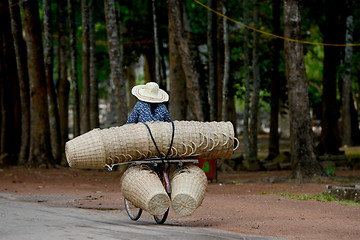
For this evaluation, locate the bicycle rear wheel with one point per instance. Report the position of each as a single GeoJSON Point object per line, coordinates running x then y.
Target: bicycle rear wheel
{"type": "Point", "coordinates": [133, 212]}
{"type": "Point", "coordinates": [161, 218]}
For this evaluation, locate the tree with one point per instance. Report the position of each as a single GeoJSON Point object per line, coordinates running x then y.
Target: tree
{"type": "Point", "coordinates": [40, 148]}
{"type": "Point", "coordinates": [94, 89]}
{"type": "Point", "coordinates": [212, 56]}
{"type": "Point", "coordinates": [226, 75]}
{"type": "Point", "coordinates": [21, 56]}
{"type": "Point", "coordinates": [157, 43]}
{"type": "Point", "coordinates": [194, 108]}
{"type": "Point", "coordinates": [247, 81]}
{"type": "Point", "coordinates": [85, 111]}
{"type": "Point", "coordinates": [275, 83]}
{"type": "Point", "coordinates": [55, 135]}
{"type": "Point", "coordinates": [9, 92]}
{"type": "Point", "coordinates": [177, 100]}
{"type": "Point", "coordinates": [330, 139]}
{"type": "Point", "coordinates": [254, 108]}
{"type": "Point", "coordinates": [303, 160]}
{"type": "Point", "coordinates": [346, 90]}
{"type": "Point", "coordinates": [73, 70]}
{"type": "Point", "coordinates": [114, 55]}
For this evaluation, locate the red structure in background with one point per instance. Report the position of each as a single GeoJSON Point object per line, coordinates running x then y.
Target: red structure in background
{"type": "Point", "coordinates": [209, 166]}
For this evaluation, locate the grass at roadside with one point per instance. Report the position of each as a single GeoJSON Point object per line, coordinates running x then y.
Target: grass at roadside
{"type": "Point", "coordinates": [317, 197]}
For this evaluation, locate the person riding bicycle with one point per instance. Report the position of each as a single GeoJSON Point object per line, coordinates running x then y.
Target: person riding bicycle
{"type": "Point", "coordinates": [150, 106]}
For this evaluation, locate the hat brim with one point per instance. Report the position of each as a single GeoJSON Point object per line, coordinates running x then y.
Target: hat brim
{"type": "Point", "coordinates": [138, 91]}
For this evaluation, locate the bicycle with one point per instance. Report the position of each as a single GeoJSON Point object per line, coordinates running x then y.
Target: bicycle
{"type": "Point", "coordinates": [162, 169]}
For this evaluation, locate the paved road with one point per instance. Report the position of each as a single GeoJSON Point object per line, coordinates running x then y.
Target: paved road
{"type": "Point", "coordinates": [27, 220]}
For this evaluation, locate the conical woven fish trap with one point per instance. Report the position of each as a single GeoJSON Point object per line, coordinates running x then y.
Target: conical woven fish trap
{"type": "Point", "coordinates": [188, 187]}
{"type": "Point", "coordinates": [86, 150]}
{"type": "Point", "coordinates": [143, 188]}
{"type": "Point", "coordinates": [135, 142]}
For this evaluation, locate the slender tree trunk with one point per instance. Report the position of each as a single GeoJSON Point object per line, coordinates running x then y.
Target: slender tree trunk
{"type": "Point", "coordinates": [212, 52]}
{"type": "Point", "coordinates": [275, 83]}
{"type": "Point", "coordinates": [40, 147]}
{"type": "Point", "coordinates": [49, 64]}
{"type": "Point", "coordinates": [158, 75]}
{"type": "Point", "coordinates": [20, 52]}
{"type": "Point", "coordinates": [247, 82]}
{"type": "Point", "coordinates": [194, 108]}
{"type": "Point", "coordinates": [177, 101]}
{"type": "Point", "coordinates": [114, 54]}
{"type": "Point", "coordinates": [254, 111]}
{"type": "Point", "coordinates": [85, 111]}
{"type": "Point", "coordinates": [73, 70]}
{"type": "Point", "coordinates": [219, 61]}
{"type": "Point", "coordinates": [346, 90]}
{"type": "Point", "coordinates": [94, 99]}
{"type": "Point", "coordinates": [303, 161]}
{"type": "Point", "coordinates": [330, 110]}
{"type": "Point", "coordinates": [226, 76]}
{"type": "Point", "coordinates": [10, 102]}
{"type": "Point", "coordinates": [63, 86]}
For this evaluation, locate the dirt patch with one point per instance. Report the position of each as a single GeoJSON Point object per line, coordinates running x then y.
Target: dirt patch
{"type": "Point", "coordinates": [239, 202]}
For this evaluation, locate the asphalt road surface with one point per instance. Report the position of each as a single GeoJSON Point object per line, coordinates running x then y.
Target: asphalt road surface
{"type": "Point", "coordinates": [28, 220]}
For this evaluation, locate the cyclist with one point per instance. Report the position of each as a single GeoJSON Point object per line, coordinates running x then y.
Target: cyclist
{"type": "Point", "coordinates": [150, 106]}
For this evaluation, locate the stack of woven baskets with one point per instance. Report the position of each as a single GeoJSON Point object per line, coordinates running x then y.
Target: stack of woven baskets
{"type": "Point", "coordinates": [143, 188]}
{"type": "Point", "coordinates": [98, 148]}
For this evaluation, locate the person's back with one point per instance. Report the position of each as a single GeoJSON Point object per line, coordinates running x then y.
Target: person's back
{"type": "Point", "coordinates": [150, 107]}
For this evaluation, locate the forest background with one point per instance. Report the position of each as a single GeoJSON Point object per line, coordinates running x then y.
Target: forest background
{"type": "Point", "coordinates": [67, 67]}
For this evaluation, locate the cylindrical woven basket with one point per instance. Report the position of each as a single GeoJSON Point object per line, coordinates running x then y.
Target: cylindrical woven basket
{"type": "Point", "coordinates": [188, 187]}
{"type": "Point", "coordinates": [87, 150]}
{"type": "Point", "coordinates": [143, 188]}
{"type": "Point", "coordinates": [130, 142]}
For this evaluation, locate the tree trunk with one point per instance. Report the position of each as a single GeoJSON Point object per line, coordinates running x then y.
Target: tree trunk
{"type": "Point", "coordinates": [212, 52]}
{"type": "Point", "coordinates": [73, 70]}
{"type": "Point", "coordinates": [275, 83]}
{"type": "Point", "coordinates": [303, 161]}
{"type": "Point", "coordinates": [94, 89]}
{"type": "Point", "coordinates": [346, 90]}
{"type": "Point", "coordinates": [219, 62]}
{"type": "Point", "coordinates": [10, 102]}
{"type": "Point", "coordinates": [64, 86]}
{"type": "Point", "coordinates": [177, 101]}
{"type": "Point", "coordinates": [194, 108]}
{"type": "Point", "coordinates": [85, 111]}
{"type": "Point", "coordinates": [247, 81]}
{"type": "Point", "coordinates": [158, 74]}
{"type": "Point", "coordinates": [254, 110]}
{"type": "Point", "coordinates": [40, 147]}
{"type": "Point", "coordinates": [55, 135]}
{"type": "Point", "coordinates": [226, 76]}
{"type": "Point", "coordinates": [114, 55]}
{"type": "Point", "coordinates": [20, 52]}
{"type": "Point", "coordinates": [330, 141]}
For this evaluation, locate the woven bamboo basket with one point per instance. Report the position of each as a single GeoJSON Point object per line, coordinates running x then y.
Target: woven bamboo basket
{"type": "Point", "coordinates": [188, 189]}
{"type": "Point", "coordinates": [143, 188]}
{"type": "Point", "coordinates": [99, 148]}
{"type": "Point", "coordinates": [86, 150]}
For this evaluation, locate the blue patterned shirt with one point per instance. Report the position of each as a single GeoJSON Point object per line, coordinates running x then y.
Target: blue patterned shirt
{"type": "Point", "coordinates": [142, 113]}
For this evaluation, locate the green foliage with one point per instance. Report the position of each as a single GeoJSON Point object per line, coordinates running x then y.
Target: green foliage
{"type": "Point", "coordinates": [317, 197]}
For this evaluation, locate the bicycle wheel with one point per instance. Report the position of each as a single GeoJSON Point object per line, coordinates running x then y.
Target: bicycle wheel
{"type": "Point", "coordinates": [133, 212]}
{"type": "Point", "coordinates": [161, 218]}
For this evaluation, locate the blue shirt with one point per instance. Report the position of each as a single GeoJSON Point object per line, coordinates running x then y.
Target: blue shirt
{"type": "Point", "coordinates": [142, 113]}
